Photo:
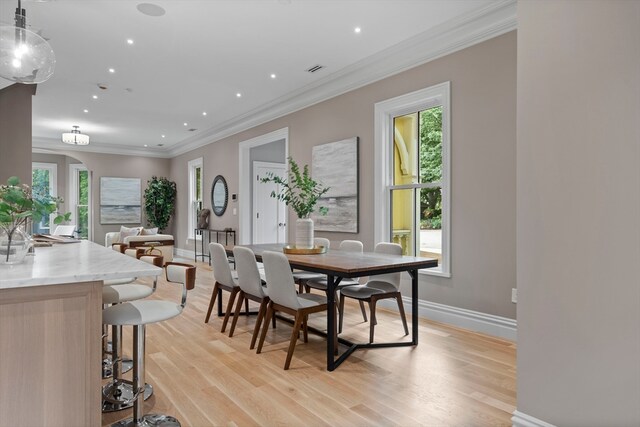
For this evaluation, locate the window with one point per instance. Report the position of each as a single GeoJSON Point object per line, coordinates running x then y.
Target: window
{"type": "Point", "coordinates": [412, 181]}
{"type": "Point", "coordinates": [195, 195]}
{"type": "Point", "coordinates": [44, 182]}
{"type": "Point", "coordinates": [79, 199]}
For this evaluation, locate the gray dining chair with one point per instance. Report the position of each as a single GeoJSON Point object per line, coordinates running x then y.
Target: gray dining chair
{"type": "Point", "coordinates": [224, 280]}
{"type": "Point", "coordinates": [378, 287]}
{"type": "Point", "coordinates": [301, 277]}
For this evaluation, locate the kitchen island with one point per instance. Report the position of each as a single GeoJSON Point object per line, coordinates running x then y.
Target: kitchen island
{"type": "Point", "coordinates": [50, 329]}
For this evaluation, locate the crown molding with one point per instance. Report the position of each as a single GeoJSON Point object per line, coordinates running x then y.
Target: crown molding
{"type": "Point", "coordinates": [459, 33]}
{"type": "Point", "coordinates": [54, 145]}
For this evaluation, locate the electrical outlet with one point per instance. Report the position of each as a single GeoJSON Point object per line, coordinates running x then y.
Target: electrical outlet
{"type": "Point", "coordinates": [235, 211]}
{"type": "Point", "coordinates": [514, 295]}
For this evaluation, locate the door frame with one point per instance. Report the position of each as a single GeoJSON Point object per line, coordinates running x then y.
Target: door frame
{"type": "Point", "coordinates": [273, 165]}
{"type": "Point", "coordinates": [74, 169]}
{"type": "Point", "coordinates": [245, 235]}
{"type": "Point", "coordinates": [53, 183]}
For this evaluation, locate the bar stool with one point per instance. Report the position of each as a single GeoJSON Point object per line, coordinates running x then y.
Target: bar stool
{"type": "Point", "coordinates": [118, 393]}
{"type": "Point", "coordinates": [139, 314]}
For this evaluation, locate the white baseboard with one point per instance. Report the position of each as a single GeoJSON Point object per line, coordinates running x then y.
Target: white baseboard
{"type": "Point", "coordinates": [184, 253]}
{"type": "Point", "coordinates": [489, 324]}
{"type": "Point", "coordinates": [523, 420]}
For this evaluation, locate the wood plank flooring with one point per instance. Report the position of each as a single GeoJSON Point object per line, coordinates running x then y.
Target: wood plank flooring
{"type": "Point", "coordinates": [204, 378]}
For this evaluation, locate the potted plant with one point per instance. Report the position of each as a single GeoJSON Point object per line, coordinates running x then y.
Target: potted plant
{"type": "Point", "coordinates": [159, 201]}
{"type": "Point", "coordinates": [18, 205]}
{"type": "Point", "coordinates": [301, 193]}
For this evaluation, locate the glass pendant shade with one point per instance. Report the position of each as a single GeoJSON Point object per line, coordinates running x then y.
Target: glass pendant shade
{"type": "Point", "coordinates": [75, 137]}
{"type": "Point", "coordinates": [25, 57]}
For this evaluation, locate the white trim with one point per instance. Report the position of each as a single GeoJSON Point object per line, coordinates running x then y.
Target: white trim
{"type": "Point", "coordinates": [461, 32]}
{"type": "Point", "coordinates": [53, 185]}
{"type": "Point", "coordinates": [191, 167]}
{"type": "Point", "coordinates": [384, 112]}
{"type": "Point", "coordinates": [244, 178]}
{"type": "Point", "coordinates": [74, 168]}
{"type": "Point", "coordinates": [54, 145]}
{"type": "Point", "coordinates": [184, 253]}
{"type": "Point", "coordinates": [497, 326]}
{"type": "Point", "coordinates": [523, 420]}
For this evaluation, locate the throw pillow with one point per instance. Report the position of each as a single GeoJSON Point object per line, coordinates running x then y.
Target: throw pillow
{"type": "Point", "coordinates": [149, 231]}
{"type": "Point", "coordinates": [128, 232]}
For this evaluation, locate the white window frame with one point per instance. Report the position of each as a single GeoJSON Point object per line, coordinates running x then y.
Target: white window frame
{"type": "Point", "coordinates": [53, 184]}
{"type": "Point", "coordinates": [74, 170]}
{"type": "Point", "coordinates": [192, 165]}
{"type": "Point", "coordinates": [385, 112]}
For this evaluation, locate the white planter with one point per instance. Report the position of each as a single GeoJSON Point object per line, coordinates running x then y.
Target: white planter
{"type": "Point", "coordinates": [304, 233]}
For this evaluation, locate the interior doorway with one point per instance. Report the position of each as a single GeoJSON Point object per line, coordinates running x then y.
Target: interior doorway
{"type": "Point", "coordinates": [271, 148]}
{"type": "Point", "coordinates": [269, 214]}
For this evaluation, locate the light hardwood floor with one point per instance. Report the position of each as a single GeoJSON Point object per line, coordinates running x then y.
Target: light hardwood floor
{"type": "Point", "coordinates": [204, 378]}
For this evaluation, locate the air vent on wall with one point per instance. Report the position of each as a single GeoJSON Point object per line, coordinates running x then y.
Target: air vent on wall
{"type": "Point", "coordinates": [315, 68]}
{"type": "Point", "coordinates": [193, 130]}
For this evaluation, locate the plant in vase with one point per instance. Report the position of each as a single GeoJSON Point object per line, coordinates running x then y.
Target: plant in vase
{"type": "Point", "coordinates": [301, 193]}
{"type": "Point", "coordinates": [159, 201]}
{"type": "Point", "coordinates": [18, 205]}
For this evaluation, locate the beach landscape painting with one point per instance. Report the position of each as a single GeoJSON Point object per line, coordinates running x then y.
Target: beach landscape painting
{"type": "Point", "coordinates": [335, 165]}
{"type": "Point", "coordinates": [120, 200]}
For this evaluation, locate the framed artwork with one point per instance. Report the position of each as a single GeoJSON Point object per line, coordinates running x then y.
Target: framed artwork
{"type": "Point", "coordinates": [335, 165]}
{"type": "Point", "coordinates": [120, 200]}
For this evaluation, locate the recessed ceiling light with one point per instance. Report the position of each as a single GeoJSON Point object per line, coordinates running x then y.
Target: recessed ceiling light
{"type": "Point", "coordinates": [273, 76]}
{"type": "Point", "coordinates": [95, 96]}
{"type": "Point", "coordinates": [204, 113]}
{"type": "Point", "coordinates": [186, 124]}
{"type": "Point", "coordinates": [112, 70]}
{"type": "Point", "coordinates": [129, 41]}
{"type": "Point", "coordinates": [145, 145]}
{"type": "Point", "coordinates": [239, 95]}
{"type": "Point", "coordinates": [162, 136]}
{"type": "Point", "coordinates": [86, 111]}
{"type": "Point", "coordinates": [357, 30]}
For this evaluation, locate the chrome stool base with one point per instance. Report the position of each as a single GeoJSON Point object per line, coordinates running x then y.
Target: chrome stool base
{"type": "Point", "coordinates": [107, 371]}
{"type": "Point", "coordinates": [149, 420]}
{"type": "Point", "coordinates": [116, 397]}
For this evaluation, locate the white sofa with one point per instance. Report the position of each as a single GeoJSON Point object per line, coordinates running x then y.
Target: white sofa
{"type": "Point", "coordinates": [165, 240]}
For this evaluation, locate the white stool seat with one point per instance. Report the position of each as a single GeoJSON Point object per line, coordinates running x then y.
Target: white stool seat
{"type": "Point", "coordinates": [122, 293]}
{"type": "Point", "coordinates": [119, 281]}
{"type": "Point", "coordinates": [140, 312]}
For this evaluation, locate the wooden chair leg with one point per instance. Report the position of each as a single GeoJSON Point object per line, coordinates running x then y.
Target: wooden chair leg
{"type": "Point", "coordinates": [256, 328]}
{"type": "Point", "coordinates": [364, 312]}
{"type": "Point", "coordinates": [263, 335]}
{"type": "Point", "coordinates": [402, 315]}
{"type": "Point", "coordinates": [341, 311]}
{"type": "Point", "coordinates": [213, 300]}
{"type": "Point", "coordinates": [236, 314]}
{"type": "Point", "coordinates": [294, 338]}
{"type": "Point", "coordinates": [273, 322]}
{"type": "Point", "coordinates": [305, 333]}
{"type": "Point", "coordinates": [372, 322]}
{"type": "Point", "coordinates": [227, 314]}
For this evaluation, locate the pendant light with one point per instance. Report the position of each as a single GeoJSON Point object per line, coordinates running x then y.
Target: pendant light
{"type": "Point", "coordinates": [75, 137]}
{"type": "Point", "coordinates": [25, 57]}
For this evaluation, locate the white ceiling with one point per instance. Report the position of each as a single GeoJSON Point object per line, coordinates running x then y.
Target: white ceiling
{"type": "Point", "coordinates": [199, 54]}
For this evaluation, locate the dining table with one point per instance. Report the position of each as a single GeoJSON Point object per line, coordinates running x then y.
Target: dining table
{"type": "Point", "coordinates": [338, 265]}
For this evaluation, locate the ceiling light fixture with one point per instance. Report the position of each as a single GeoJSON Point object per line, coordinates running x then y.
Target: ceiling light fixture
{"type": "Point", "coordinates": [129, 41]}
{"type": "Point", "coordinates": [111, 70]}
{"type": "Point", "coordinates": [145, 145]}
{"type": "Point", "coordinates": [95, 96]}
{"type": "Point", "coordinates": [238, 95]}
{"type": "Point", "coordinates": [204, 113]}
{"type": "Point", "coordinates": [357, 30]}
{"type": "Point", "coordinates": [162, 136]}
{"type": "Point", "coordinates": [273, 76]}
{"type": "Point", "coordinates": [75, 137]}
{"type": "Point", "coordinates": [186, 124]}
{"type": "Point", "coordinates": [86, 111]}
{"type": "Point", "coordinates": [25, 57]}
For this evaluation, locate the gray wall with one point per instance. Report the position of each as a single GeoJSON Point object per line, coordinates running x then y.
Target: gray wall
{"type": "Point", "coordinates": [483, 93]}
{"type": "Point", "coordinates": [15, 132]}
{"type": "Point", "coordinates": [578, 212]}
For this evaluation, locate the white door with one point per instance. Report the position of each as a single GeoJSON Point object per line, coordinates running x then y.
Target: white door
{"type": "Point", "coordinates": [269, 214]}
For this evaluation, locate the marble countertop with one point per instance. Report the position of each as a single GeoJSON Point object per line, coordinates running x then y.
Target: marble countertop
{"type": "Point", "coordinates": [71, 263]}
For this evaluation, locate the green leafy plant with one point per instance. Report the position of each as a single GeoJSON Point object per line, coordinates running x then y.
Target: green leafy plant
{"type": "Point", "coordinates": [159, 201]}
{"type": "Point", "coordinates": [19, 204]}
{"type": "Point", "coordinates": [300, 191]}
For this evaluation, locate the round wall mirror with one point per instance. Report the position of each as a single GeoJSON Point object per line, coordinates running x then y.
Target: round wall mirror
{"type": "Point", "coordinates": [219, 195]}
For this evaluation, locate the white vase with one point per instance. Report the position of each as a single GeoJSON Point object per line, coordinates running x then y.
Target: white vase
{"type": "Point", "coordinates": [14, 247]}
{"type": "Point", "coordinates": [304, 233]}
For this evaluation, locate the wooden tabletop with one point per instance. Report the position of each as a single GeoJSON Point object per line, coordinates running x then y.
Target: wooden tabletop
{"type": "Point", "coordinates": [347, 264]}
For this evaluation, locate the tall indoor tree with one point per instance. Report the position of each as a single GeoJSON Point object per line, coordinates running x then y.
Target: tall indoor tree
{"type": "Point", "coordinates": [159, 201]}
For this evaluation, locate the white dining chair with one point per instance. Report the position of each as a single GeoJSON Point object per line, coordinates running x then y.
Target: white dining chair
{"type": "Point", "coordinates": [378, 287]}
{"type": "Point", "coordinates": [251, 288]}
{"type": "Point", "coordinates": [283, 297]}
{"type": "Point", "coordinates": [224, 280]}
{"type": "Point", "coordinates": [301, 277]}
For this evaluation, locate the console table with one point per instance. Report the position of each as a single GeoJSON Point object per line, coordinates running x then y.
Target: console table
{"type": "Point", "coordinates": [228, 233]}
